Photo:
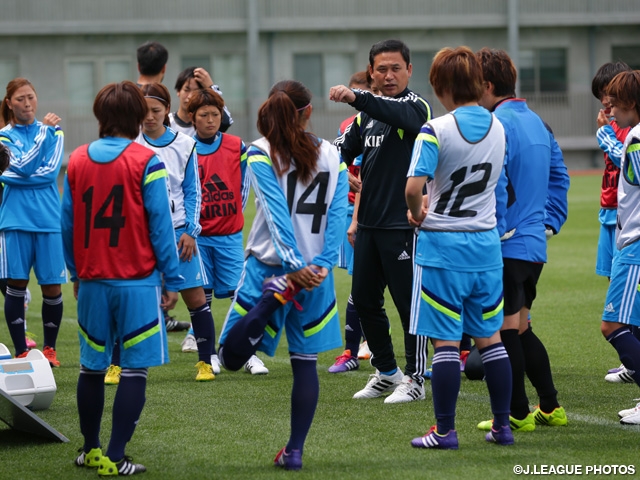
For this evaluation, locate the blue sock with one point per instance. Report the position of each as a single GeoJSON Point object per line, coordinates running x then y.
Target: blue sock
{"type": "Point", "coordinates": [390, 372]}
{"type": "Point", "coordinates": [244, 337]}
{"type": "Point", "coordinates": [304, 398]}
{"type": "Point", "coordinates": [90, 401]}
{"type": "Point", "coordinates": [352, 329]}
{"type": "Point", "coordinates": [14, 314]}
{"type": "Point", "coordinates": [127, 407]}
{"type": "Point", "coordinates": [445, 385]}
{"type": "Point", "coordinates": [204, 331]}
{"type": "Point", "coordinates": [497, 370]}
{"type": "Point", "coordinates": [628, 348]}
{"type": "Point", "coordinates": [51, 319]}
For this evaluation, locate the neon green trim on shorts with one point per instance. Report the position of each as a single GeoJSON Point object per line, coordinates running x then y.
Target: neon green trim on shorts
{"type": "Point", "coordinates": [270, 331]}
{"type": "Point", "coordinates": [143, 336]}
{"type": "Point", "coordinates": [494, 312]}
{"type": "Point", "coordinates": [327, 318]}
{"type": "Point", "coordinates": [238, 309]}
{"type": "Point", "coordinates": [448, 312]}
{"type": "Point", "coordinates": [94, 345]}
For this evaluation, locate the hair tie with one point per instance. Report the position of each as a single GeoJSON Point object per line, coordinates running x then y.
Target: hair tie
{"type": "Point", "coordinates": [307, 105]}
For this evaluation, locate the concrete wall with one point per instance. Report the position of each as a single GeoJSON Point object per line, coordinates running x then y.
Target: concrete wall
{"type": "Point", "coordinates": [44, 36]}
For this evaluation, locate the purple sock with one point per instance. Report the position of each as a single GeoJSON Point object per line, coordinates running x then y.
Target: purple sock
{"type": "Point", "coordinates": [304, 397]}
{"type": "Point", "coordinates": [127, 407]}
{"type": "Point", "coordinates": [14, 315]}
{"type": "Point", "coordinates": [115, 355]}
{"type": "Point", "coordinates": [628, 348]}
{"type": "Point", "coordinates": [243, 339]}
{"type": "Point", "coordinates": [204, 331]}
{"type": "Point", "coordinates": [497, 370]}
{"type": "Point", "coordinates": [90, 401]}
{"type": "Point", "coordinates": [51, 319]}
{"type": "Point", "coordinates": [445, 386]}
{"type": "Point", "coordinates": [208, 295]}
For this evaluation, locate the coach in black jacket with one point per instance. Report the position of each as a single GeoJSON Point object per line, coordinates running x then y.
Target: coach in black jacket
{"type": "Point", "coordinates": [384, 132]}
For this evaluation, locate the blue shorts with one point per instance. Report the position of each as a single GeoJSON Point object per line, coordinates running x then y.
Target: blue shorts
{"type": "Point", "coordinates": [315, 329]}
{"type": "Point", "coordinates": [20, 251]}
{"type": "Point", "coordinates": [606, 250]}
{"type": "Point", "coordinates": [193, 272]}
{"type": "Point", "coordinates": [345, 254]}
{"type": "Point", "coordinates": [131, 314]}
{"type": "Point", "coordinates": [223, 258]}
{"type": "Point", "coordinates": [620, 305]}
{"type": "Point", "coordinates": [446, 303]}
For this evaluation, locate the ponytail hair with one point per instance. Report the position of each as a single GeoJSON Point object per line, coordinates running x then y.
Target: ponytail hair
{"type": "Point", "coordinates": [12, 86]}
{"type": "Point", "coordinates": [160, 93]}
{"type": "Point", "coordinates": [280, 121]}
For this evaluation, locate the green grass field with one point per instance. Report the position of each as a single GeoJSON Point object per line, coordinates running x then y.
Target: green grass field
{"type": "Point", "coordinates": [234, 426]}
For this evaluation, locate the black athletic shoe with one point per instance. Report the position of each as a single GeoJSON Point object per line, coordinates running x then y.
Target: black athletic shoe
{"type": "Point", "coordinates": [123, 467]}
{"type": "Point", "coordinates": [174, 325]}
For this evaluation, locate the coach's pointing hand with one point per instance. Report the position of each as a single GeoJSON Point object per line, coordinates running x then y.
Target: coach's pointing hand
{"type": "Point", "coordinates": [343, 94]}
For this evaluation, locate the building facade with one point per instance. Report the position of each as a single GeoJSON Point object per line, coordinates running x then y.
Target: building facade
{"type": "Point", "coordinates": [69, 49]}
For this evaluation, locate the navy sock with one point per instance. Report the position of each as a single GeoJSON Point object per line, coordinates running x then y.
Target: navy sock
{"type": "Point", "coordinates": [243, 339]}
{"type": "Point", "coordinates": [14, 314]}
{"type": "Point", "coordinates": [498, 377]}
{"type": "Point", "coordinates": [538, 369]}
{"type": "Point", "coordinates": [127, 407]}
{"type": "Point", "coordinates": [352, 329]}
{"type": "Point", "coordinates": [204, 331]}
{"type": "Point", "coordinates": [115, 355]}
{"type": "Point", "coordinates": [465, 343]}
{"type": "Point", "coordinates": [304, 398]}
{"type": "Point", "coordinates": [445, 386]}
{"type": "Point", "coordinates": [51, 319]}
{"type": "Point", "coordinates": [90, 401]}
{"type": "Point", "coordinates": [628, 348]}
{"type": "Point", "coordinates": [208, 295]}
{"type": "Point", "coordinates": [519, 400]}
{"type": "Point", "coordinates": [636, 331]}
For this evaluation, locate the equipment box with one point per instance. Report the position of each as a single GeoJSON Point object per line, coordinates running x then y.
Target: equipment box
{"type": "Point", "coordinates": [28, 380]}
